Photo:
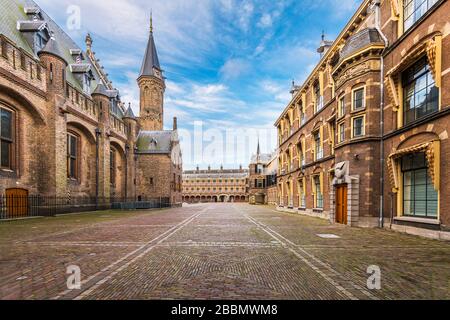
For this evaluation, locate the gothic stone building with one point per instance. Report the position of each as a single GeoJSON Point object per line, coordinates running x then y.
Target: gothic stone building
{"type": "Point", "coordinates": [215, 185]}
{"type": "Point", "coordinates": [262, 178]}
{"type": "Point", "coordinates": [64, 130]}
{"type": "Point", "coordinates": [364, 141]}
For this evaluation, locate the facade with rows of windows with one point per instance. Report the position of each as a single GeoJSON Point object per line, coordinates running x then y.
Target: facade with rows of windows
{"type": "Point", "coordinates": [364, 141]}
{"type": "Point", "coordinates": [224, 185]}
{"type": "Point", "coordinates": [64, 130]}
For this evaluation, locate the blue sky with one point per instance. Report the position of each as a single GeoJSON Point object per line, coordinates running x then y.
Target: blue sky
{"type": "Point", "coordinates": [228, 63]}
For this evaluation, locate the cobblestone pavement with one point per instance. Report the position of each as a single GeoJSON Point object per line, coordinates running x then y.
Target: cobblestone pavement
{"type": "Point", "coordinates": [215, 251]}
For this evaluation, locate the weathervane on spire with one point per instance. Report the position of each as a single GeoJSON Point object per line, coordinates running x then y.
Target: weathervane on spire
{"type": "Point", "coordinates": [151, 21]}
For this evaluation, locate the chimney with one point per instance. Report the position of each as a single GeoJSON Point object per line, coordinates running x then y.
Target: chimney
{"type": "Point", "coordinates": [175, 124]}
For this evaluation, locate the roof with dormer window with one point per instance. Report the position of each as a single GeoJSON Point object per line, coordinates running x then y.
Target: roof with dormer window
{"type": "Point", "coordinates": [21, 17]}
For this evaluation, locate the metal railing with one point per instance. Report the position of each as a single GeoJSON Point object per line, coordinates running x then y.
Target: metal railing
{"type": "Point", "coordinates": [15, 207]}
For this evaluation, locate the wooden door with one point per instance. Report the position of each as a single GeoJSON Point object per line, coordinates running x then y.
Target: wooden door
{"type": "Point", "coordinates": [17, 202]}
{"type": "Point", "coordinates": [341, 204]}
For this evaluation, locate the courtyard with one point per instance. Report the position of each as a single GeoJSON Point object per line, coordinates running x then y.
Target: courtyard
{"type": "Point", "coordinates": [215, 251]}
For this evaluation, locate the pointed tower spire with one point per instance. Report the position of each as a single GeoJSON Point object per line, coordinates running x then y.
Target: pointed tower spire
{"type": "Point", "coordinates": [258, 152]}
{"type": "Point", "coordinates": [151, 60]}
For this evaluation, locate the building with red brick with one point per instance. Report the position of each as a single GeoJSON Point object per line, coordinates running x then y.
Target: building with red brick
{"type": "Point", "coordinates": [364, 141]}
{"type": "Point", "coordinates": [223, 185]}
{"type": "Point", "coordinates": [262, 177]}
{"type": "Point", "coordinates": [65, 131]}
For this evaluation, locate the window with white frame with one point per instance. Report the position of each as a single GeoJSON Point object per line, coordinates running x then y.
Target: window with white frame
{"type": "Point", "coordinates": [318, 145]}
{"type": "Point", "coordinates": [318, 193]}
{"type": "Point", "coordinates": [341, 132]}
{"type": "Point", "coordinates": [341, 107]}
{"type": "Point", "coordinates": [301, 194]}
{"type": "Point", "coordinates": [358, 127]}
{"type": "Point", "coordinates": [414, 9]}
{"type": "Point", "coordinates": [359, 99]}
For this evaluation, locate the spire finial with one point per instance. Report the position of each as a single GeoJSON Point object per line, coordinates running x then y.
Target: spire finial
{"type": "Point", "coordinates": [151, 21]}
{"type": "Point", "coordinates": [323, 35]}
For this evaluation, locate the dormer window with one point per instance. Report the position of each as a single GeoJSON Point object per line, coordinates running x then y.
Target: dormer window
{"type": "Point", "coordinates": [40, 41]}
{"type": "Point", "coordinates": [87, 83]}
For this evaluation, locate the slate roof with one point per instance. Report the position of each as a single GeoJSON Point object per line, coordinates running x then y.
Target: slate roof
{"type": "Point", "coordinates": [12, 12]}
{"type": "Point", "coordinates": [129, 113]}
{"type": "Point", "coordinates": [156, 142]}
{"type": "Point", "coordinates": [360, 40]}
{"type": "Point", "coordinates": [53, 48]}
{"type": "Point", "coordinates": [150, 58]}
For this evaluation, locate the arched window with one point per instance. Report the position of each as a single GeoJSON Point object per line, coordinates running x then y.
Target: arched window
{"type": "Point", "coordinates": [112, 167]}
{"type": "Point", "coordinates": [73, 142]}
{"type": "Point", "coordinates": [6, 139]}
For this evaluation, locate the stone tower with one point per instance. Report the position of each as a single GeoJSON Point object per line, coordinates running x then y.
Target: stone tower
{"type": "Point", "coordinates": [152, 86]}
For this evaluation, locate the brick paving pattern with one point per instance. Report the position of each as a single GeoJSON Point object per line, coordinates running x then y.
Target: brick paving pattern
{"type": "Point", "coordinates": [214, 251]}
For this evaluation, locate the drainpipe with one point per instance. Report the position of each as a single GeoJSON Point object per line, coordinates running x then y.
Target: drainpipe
{"type": "Point", "coordinates": [376, 7]}
{"type": "Point", "coordinates": [97, 164]}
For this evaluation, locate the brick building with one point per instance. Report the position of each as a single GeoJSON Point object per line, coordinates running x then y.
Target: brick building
{"type": "Point", "coordinates": [64, 130]}
{"type": "Point", "coordinates": [262, 177]}
{"type": "Point", "coordinates": [365, 138]}
{"type": "Point", "coordinates": [224, 185]}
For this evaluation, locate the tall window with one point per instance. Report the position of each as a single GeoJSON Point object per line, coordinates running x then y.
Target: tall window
{"type": "Point", "coordinates": [112, 167]}
{"type": "Point", "coordinates": [318, 145]}
{"type": "Point", "coordinates": [318, 191]}
{"type": "Point", "coordinates": [419, 197]}
{"type": "Point", "coordinates": [414, 9]}
{"type": "Point", "coordinates": [358, 99]}
{"type": "Point", "coordinates": [6, 138]}
{"type": "Point", "coordinates": [72, 156]}
{"type": "Point", "coordinates": [301, 194]}
{"type": "Point", "coordinates": [358, 127]}
{"type": "Point", "coordinates": [341, 107]}
{"type": "Point", "coordinates": [319, 98]}
{"type": "Point", "coordinates": [421, 96]}
{"type": "Point", "coordinates": [341, 132]}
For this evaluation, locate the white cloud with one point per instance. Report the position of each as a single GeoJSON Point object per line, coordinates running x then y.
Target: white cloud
{"type": "Point", "coordinates": [233, 68]}
{"type": "Point", "coordinates": [265, 21]}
